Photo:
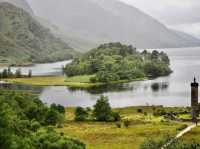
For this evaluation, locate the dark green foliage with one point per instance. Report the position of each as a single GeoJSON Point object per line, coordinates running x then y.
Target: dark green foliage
{"type": "Point", "coordinates": [102, 110]}
{"type": "Point", "coordinates": [52, 117]}
{"type": "Point", "coordinates": [7, 73]}
{"type": "Point", "coordinates": [30, 73]}
{"type": "Point", "coordinates": [81, 114]}
{"type": "Point", "coordinates": [23, 40]}
{"type": "Point", "coordinates": [18, 73]}
{"type": "Point", "coordinates": [139, 110]}
{"type": "Point", "coordinates": [114, 62]}
{"type": "Point", "coordinates": [52, 140]}
{"type": "Point", "coordinates": [159, 112]}
{"type": "Point", "coordinates": [59, 108]}
{"type": "Point", "coordinates": [127, 123]}
{"type": "Point", "coordinates": [21, 117]}
{"type": "Point", "coordinates": [116, 116]}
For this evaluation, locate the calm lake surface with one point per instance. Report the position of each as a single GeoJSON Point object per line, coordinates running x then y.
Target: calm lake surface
{"type": "Point", "coordinates": [170, 91]}
{"type": "Point", "coordinates": [173, 90]}
{"type": "Point", "coordinates": [41, 69]}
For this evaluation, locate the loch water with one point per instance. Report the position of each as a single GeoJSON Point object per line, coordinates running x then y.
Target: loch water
{"type": "Point", "coordinates": [169, 91]}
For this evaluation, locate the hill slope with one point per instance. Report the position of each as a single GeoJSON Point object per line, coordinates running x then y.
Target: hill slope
{"type": "Point", "coordinates": [20, 3]}
{"type": "Point", "coordinates": [24, 40]}
{"type": "Point", "coordinates": [101, 21]}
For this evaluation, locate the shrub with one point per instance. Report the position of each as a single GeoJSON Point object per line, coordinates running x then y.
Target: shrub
{"type": "Point", "coordinates": [35, 125]}
{"type": "Point", "coordinates": [116, 116]}
{"type": "Point", "coordinates": [127, 123]}
{"type": "Point", "coordinates": [59, 108]}
{"type": "Point", "coordinates": [93, 79]}
{"type": "Point", "coordinates": [139, 110]}
{"type": "Point", "coordinates": [52, 117]}
{"type": "Point", "coordinates": [53, 140]}
{"type": "Point", "coordinates": [118, 124]}
{"type": "Point", "coordinates": [81, 114]}
{"type": "Point", "coordinates": [159, 112]}
{"type": "Point", "coordinates": [102, 110]}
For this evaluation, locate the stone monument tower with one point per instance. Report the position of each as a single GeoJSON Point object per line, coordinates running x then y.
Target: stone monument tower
{"type": "Point", "coordinates": [194, 100]}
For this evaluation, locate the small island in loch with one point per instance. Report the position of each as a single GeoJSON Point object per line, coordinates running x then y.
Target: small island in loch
{"type": "Point", "coordinates": [117, 63]}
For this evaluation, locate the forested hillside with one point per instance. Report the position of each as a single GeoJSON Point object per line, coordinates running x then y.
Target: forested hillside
{"type": "Point", "coordinates": [23, 40]}
{"type": "Point", "coordinates": [25, 123]}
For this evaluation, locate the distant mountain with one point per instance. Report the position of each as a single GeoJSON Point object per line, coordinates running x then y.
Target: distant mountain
{"type": "Point", "coordinates": [20, 3]}
{"type": "Point", "coordinates": [24, 40]}
{"type": "Point", "coordinates": [100, 21]}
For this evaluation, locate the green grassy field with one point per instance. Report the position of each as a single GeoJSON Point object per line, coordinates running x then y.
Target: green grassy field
{"type": "Point", "coordinates": [76, 82]}
{"type": "Point", "coordinates": [101, 135]}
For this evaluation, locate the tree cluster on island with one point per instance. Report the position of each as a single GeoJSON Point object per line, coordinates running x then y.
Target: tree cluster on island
{"type": "Point", "coordinates": [27, 123]}
{"type": "Point", "coordinates": [115, 61]}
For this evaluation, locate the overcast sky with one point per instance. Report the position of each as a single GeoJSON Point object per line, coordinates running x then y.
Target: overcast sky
{"type": "Point", "coordinates": [179, 14]}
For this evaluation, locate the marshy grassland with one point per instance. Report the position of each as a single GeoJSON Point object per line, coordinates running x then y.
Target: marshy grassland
{"type": "Point", "coordinates": [105, 135]}
{"type": "Point", "coordinates": [192, 136]}
{"type": "Point", "coordinates": [75, 82]}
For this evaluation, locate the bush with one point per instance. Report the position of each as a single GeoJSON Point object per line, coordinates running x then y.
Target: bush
{"type": "Point", "coordinates": [102, 110]}
{"type": "Point", "coordinates": [53, 140]}
{"type": "Point", "coordinates": [81, 114]}
{"type": "Point", "coordinates": [118, 124]}
{"type": "Point", "coordinates": [59, 108]}
{"type": "Point", "coordinates": [127, 123]}
{"type": "Point", "coordinates": [139, 110]}
{"type": "Point", "coordinates": [52, 117]}
{"type": "Point", "coordinates": [35, 125]}
{"type": "Point", "coordinates": [116, 116]}
{"type": "Point", "coordinates": [93, 79]}
{"type": "Point", "coordinates": [159, 112]}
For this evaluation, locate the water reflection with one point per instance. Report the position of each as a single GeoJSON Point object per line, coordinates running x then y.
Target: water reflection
{"type": "Point", "coordinates": [33, 89]}
{"type": "Point", "coordinates": [159, 86]}
{"type": "Point", "coordinates": [105, 88]}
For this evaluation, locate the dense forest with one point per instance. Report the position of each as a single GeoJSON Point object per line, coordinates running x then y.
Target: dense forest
{"type": "Point", "coordinates": [115, 61]}
{"type": "Point", "coordinates": [27, 123]}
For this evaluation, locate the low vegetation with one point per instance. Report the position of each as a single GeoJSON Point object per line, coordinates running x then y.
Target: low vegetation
{"type": "Point", "coordinates": [174, 144]}
{"type": "Point", "coordinates": [115, 62]}
{"type": "Point", "coordinates": [130, 132]}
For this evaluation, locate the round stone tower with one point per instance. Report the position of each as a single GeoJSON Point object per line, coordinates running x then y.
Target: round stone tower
{"type": "Point", "coordinates": [194, 100]}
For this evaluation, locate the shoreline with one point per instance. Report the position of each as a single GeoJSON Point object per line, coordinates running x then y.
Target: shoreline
{"type": "Point", "coordinates": [64, 81]}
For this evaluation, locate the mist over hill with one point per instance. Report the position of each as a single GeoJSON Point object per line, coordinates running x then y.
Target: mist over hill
{"type": "Point", "coordinates": [24, 40]}
{"type": "Point", "coordinates": [100, 21]}
{"type": "Point", "coordinates": [20, 3]}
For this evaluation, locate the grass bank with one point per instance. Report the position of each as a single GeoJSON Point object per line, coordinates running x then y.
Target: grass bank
{"type": "Point", "coordinates": [74, 82]}
{"type": "Point", "coordinates": [192, 136]}
{"type": "Point", "coordinates": [101, 135]}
